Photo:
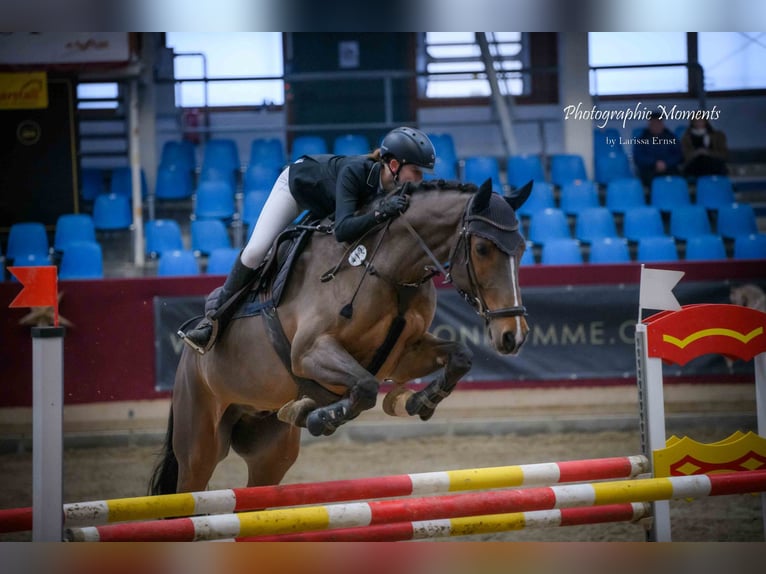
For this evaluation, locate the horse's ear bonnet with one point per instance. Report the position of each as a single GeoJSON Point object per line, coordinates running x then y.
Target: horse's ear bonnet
{"type": "Point", "coordinates": [490, 216]}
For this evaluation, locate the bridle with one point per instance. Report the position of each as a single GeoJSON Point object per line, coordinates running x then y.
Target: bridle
{"type": "Point", "coordinates": [471, 293]}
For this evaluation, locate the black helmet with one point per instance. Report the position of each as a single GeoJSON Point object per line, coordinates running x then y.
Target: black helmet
{"type": "Point", "coordinates": [409, 145]}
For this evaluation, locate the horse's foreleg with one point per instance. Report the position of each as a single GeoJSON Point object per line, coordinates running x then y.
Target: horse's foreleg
{"type": "Point", "coordinates": [420, 359]}
{"type": "Point", "coordinates": [330, 365]}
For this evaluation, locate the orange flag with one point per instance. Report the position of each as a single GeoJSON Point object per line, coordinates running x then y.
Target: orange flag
{"type": "Point", "coordinates": [39, 288]}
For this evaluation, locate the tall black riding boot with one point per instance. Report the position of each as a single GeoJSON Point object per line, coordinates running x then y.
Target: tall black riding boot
{"type": "Point", "coordinates": [204, 335]}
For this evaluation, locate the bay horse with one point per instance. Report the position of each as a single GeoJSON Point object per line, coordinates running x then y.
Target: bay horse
{"type": "Point", "coordinates": [364, 321]}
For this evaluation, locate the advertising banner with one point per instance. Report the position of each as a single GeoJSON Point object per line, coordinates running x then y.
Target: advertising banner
{"type": "Point", "coordinates": [583, 333]}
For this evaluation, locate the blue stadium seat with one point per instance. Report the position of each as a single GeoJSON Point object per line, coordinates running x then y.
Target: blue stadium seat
{"type": "Point", "coordinates": [736, 219]}
{"type": "Point", "coordinates": [112, 211]}
{"type": "Point", "coordinates": [669, 192]}
{"type": "Point", "coordinates": [122, 182]}
{"type": "Point", "coordinates": [173, 182]}
{"type": "Point", "coordinates": [221, 153]}
{"type": "Point", "coordinates": [351, 144]}
{"type": "Point", "coordinates": [27, 238]}
{"type": "Point", "coordinates": [611, 165]}
{"type": "Point", "coordinates": [267, 152]}
{"type": "Point", "coordinates": [446, 157]}
{"type": "Point", "coordinates": [444, 146]}
{"type": "Point", "coordinates": [602, 138]}
{"type": "Point", "coordinates": [252, 205]}
{"type": "Point", "coordinates": [548, 224]}
{"type": "Point", "coordinates": [260, 177]}
{"type": "Point", "coordinates": [73, 227]}
{"type": "Point", "coordinates": [31, 260]}
{"type": "Point", "coordinates": [609, 250]}
{"type": "Point", "coordinates": [179, 154]}
{"type": "Point", "coordinates": [308, 145]}
{"type": "Point", "coordinates": [562, 251]}
{"type": "Point", "coordinates": [658, 248]}
{"type": "Point", "coordinates": [542, 197]}
{"type": "Point", "coordinates": [577, 195]}
{"type": "Point", "coordinates": [688, 221]}
{"type": "Point", "coordinates": [162, 235]}
{"type": "Point", "coordinates": [624, 193]}
{"type": "Point", "coordinates": [478, 168]}
{"type": "Point", "coordinates": [218, 173]}
{"type": "Point", "coordinates": [566, 168]}
{"type": "Point", "coordinates": [750, 246]}
{"type": "Point", "coordinates": [443, 169]}
{"type": "Point", "coordinates": [177, 263]}
{"type": "Point", "coordinates": [529, 255]}
{"type": "Point", "coordinates": [594, 223]}
{"type": "Point", "coordinates": [705, 247]}
{"type": "Point", "coordinates": [640, 222]}
{"type": "Point", "coordinates": [82, 260]}
{"type": "Point", "coordinates": [214, 200]}
{"type": "Point", "coordinates": [221, 260]}
{"type": "Point", "coordinates": [521, 168]}
{"type": "Point", "coordinates": [714, 191]}
{"type": "Point", "coordinates": [207, 235]}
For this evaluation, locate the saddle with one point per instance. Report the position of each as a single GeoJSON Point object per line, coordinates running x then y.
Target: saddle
{"type": "Point", "coordinates": [276, 271]}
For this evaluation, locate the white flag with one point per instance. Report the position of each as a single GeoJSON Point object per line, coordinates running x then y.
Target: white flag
{"type": "Point", "coordinates": [656, 291]}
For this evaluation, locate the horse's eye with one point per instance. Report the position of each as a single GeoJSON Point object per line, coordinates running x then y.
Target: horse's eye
{"type": "Point", "coordinates": [482, 249]}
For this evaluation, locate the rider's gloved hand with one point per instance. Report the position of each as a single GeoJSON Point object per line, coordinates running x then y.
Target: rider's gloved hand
{"type": "Point", "coordinates": [391, 207]}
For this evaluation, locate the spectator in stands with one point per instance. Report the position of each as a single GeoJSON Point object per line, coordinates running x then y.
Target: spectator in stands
{"type": "Point", "coordinates": [656, 152]}
{"type": "Point", "coordinates": [324, 185]}
{"type": "Point", "coordinates": [705, 150]}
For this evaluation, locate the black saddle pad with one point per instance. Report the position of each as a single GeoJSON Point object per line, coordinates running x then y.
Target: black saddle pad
{"type": "Point", "coordinates": [277, 271]}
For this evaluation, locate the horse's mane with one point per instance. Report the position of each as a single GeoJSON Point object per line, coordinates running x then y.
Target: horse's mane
{"type": "Point", "coordinates": [442, 184]}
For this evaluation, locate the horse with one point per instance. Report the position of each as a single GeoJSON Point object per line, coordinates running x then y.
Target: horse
{"type": "Point", "coordinates": [351, 316]}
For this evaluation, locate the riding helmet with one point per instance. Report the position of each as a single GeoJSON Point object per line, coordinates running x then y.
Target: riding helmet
{"type": "Point", "coordinates": [409, 145]}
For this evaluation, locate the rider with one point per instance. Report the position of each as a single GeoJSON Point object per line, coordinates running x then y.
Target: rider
{"type": "Point", "coordinates": [322, 184]}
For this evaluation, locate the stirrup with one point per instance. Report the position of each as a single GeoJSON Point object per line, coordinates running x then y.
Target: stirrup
{"type": "Point", "coordinates": [210, 342]}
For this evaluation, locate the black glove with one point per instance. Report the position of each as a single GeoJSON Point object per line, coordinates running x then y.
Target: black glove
{"type": "Point", "coordinates": [391, 207]}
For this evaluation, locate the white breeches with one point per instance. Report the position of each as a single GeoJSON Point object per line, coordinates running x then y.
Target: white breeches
{"type": "Point", "coordinates": [280, 209]}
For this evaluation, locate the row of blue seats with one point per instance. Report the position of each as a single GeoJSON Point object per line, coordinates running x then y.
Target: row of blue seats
{"type": "Point", "coordinates": [662, 248]}
{"type": "Point", "coordinates": [685, 222]}
{"type": "Point", "coordinates": [666, 193]}
{"type": "Point", "coordinates": [75, 247]}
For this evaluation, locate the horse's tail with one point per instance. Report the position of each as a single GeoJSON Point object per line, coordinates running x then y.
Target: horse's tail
{"type": "Point", "coordinates": [165, 475]}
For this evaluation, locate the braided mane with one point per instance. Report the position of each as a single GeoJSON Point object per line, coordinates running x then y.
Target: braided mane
{"type": "Point", "coordinates": [440, 184]}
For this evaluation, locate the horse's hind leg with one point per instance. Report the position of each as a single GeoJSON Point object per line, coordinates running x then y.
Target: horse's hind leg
{"type": "Point", "coordinates": [268, 446]}
{"type": "Point", "coordinates": [199, 441]}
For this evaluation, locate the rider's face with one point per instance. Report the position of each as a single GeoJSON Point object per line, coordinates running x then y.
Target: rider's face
{"type": "Point", "coordinates": [410, 172]}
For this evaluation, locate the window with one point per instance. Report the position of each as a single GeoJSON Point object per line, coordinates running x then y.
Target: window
{"type": "Point", "coordinates": [217, 56]}
{"type": "Point", "coordinates": [733, 60]}
{"type": "Point", "coordinates": [457, 57]}
{"type": "Point", "coordinates": [637, 48]}
{"type": "Point", "coordinates": [102, 96]}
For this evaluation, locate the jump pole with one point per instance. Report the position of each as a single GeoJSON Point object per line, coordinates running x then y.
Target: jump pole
{"type": "Point", "coordinates": [303, 519]}
{"type": "Point", "coordinates": [468, 526]}
{"type": "Point", "coordinates": [258, 497]}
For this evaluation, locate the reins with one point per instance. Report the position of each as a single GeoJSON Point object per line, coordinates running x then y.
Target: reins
{"type": "Point", "coordinates": [472, 295]}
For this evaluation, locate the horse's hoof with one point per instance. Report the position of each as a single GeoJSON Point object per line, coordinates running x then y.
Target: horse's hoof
{"type": "Point", "coordinates": [296, 411]}
{"type": "Point", "coordinates": [414, 406]}
{"type": "Point", "coordinates": [319, 423]}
